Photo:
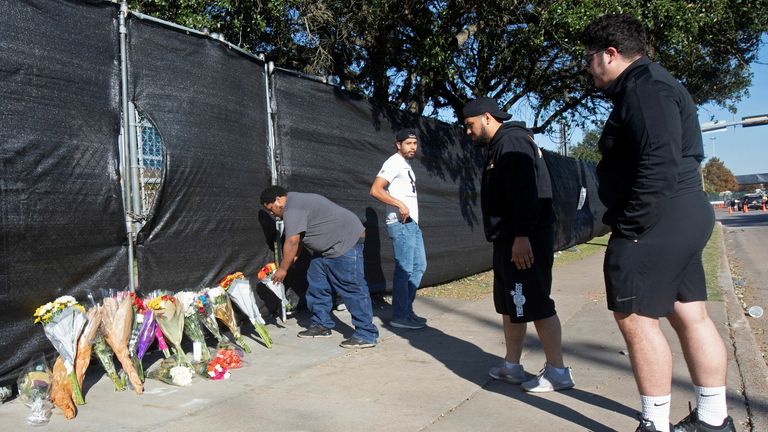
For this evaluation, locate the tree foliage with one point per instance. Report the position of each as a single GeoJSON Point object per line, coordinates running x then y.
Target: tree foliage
{"type": "Point", "coordinates": [587, 148]}
{"type": "Point", "coordinates": [718, 178]}
{"type": "Point", "coordinates": [430, 56]}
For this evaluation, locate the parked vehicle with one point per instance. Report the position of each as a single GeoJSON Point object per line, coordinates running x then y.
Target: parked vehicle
{"type": "Point", "coordinates": [752, 201]}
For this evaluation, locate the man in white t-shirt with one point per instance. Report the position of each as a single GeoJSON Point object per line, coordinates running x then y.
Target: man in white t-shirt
{"type": "Point", "coordinates": [395, 185]}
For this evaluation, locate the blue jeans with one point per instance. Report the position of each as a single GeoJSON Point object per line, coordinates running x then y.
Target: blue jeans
{"type": "Point", "coordinates": [410, 264]}
{"type": "Point", "coordinates": [344, 274]}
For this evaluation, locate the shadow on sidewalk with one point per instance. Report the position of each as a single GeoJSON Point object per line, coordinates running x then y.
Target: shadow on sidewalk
{"type": "Point", "coordinates": [471, 363]}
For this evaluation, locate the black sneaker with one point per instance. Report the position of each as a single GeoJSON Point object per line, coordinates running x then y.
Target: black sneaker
{"type": "Point", "coordinates": [693, 424]}
{"type": "Point", "coordinates": [355, 342]}
{"type": "Point", "coordinates": [645, 426]}
{"type": "Point", "coordinates": [315, 331]}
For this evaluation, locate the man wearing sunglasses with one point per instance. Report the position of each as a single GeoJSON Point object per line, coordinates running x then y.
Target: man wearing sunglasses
{"type": "Point", "coordinates": [660, 220]}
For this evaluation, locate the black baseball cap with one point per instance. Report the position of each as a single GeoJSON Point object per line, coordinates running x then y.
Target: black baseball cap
{"type": "Point", "coordinates": [484, 105]}
{"type": "Point", "coordinates": [404, 134]}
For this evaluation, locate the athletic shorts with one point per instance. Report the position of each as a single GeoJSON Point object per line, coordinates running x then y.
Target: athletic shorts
{"type": "Point", "coordinates": [649, 274]}
{"type": "Point", "coordinates": [524, 294]}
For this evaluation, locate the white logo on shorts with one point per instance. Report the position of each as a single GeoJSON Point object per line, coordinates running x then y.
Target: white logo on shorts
{"type": "Point", "coordinates": [518, 298]}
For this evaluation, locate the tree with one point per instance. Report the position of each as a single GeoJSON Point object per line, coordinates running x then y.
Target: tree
{"type": "Point", "coordinates": [431, 56]}
{"type": "Point", "coordinates": [587, 148]}
{"type": "Point", "coordinates": [718, 178]}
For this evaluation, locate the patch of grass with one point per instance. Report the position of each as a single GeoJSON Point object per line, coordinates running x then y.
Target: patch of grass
{"type": "Point", "coordinates": [596, 245]}
{"type": "Point", "coordinates": [711, 259]}
{"type": "Point", "coordinates": [480, 285]}
{"type": "Point", "coordinates": [469, 288]}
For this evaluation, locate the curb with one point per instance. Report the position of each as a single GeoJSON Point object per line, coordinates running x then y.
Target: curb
{"type": "Point", "coordinates": [752, 366]}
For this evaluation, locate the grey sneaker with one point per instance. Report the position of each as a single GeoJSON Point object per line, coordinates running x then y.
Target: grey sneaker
{"type": "Point", "coordinates": [549, 379]}
{"type": "Point", "coordinates": [406, 323]}
{"type": "Point", "coordinates": [315, 331]}
{"type": "Point", "coordinates": [418, 319]}
{"type": "Point", "coordinates": [514, 375]}
{"type": "Point", "coordinates": [355, 342]}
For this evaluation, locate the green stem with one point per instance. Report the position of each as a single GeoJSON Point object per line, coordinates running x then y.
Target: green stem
{"type": "Point", "coordinates": [264, 334]}
{"type": "Point", "coordinates": [242, 343]}
{"type": "Point", "coordinates": [76, 389]}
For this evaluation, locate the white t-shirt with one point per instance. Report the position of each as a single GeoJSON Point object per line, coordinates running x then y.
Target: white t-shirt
{"type": "Point", "coordinates": [402, 185]}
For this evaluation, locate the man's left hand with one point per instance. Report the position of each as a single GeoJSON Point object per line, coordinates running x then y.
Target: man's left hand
{"type": "Point", "coordinates": [279, 275]}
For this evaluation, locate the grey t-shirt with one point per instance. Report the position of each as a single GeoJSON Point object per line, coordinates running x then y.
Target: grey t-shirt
{"type": "Point", "coordinates": [329, 229]}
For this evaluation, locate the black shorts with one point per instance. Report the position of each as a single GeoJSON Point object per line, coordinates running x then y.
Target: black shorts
{"type": "Point", "coordinates": [524, 294]}
{"type": "Point", "coordinates": [649, 274]}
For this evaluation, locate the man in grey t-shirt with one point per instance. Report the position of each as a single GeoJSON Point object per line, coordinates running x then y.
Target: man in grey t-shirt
{"type": "Point", "coordinates": [335, 237]}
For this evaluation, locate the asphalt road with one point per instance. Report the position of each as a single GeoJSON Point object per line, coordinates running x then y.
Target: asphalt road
{"type": "Point", "coordinates": [746, 239]}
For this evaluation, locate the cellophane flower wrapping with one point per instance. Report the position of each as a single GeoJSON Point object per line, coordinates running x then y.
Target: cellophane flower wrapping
{"type": "Point", "coordinates": [162, 345]}
{"type": "Point", "coordinates": [117, 320]}
{"type": "Point", "coordinates": [207, 316]}
{"type": "Point", "coordinates": [147, 335]}
{"type": "Point", "coordinates": [192, 328]}
{"type": "Point", "coordinates": [104, 354]}
{"type": "Point", "coordinates": [170, 318]}
{"type": "Point", "coordinates": [34, 386]}
{"type": "Point", "coordinates": [222, 308]}
{"type": "Point", "coordinates": [170, 371]}
{"type": "Point", "coordinates": [278, 288]}
{"type": "Point", "coordinates": [63, 321]}
{"type": "Point", "coordinates": [242, 295]}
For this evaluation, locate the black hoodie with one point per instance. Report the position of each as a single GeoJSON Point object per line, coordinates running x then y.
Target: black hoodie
{"type": "Point", "coordinates": [516, 194]}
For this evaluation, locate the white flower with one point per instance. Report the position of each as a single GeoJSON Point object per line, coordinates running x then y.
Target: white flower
{"type": "Point", "coordinates": [186, 301]}
{"type": "Point", "coordinates": [66, 299]}
{"type": "Point", "coordinates": [181, 375]}
{"type": "Point", "coordinates": [216, 292]}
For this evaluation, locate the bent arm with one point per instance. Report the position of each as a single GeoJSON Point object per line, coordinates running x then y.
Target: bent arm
{"type": "Point", "coordinates": [378, 191]}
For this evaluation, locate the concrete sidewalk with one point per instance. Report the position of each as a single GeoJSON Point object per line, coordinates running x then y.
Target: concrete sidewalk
{"type": "Point", "coordinates": [433, 379]}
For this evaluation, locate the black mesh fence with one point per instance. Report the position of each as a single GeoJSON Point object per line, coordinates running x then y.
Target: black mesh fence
{"type": "Point", "coordinates": [62, 224]}
{"type": "Point", "coordinates": [203, 111]}
{"type": "Point", "coordinates": [208, 104]}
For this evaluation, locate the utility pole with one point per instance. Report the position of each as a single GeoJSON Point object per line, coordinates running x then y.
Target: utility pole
{"type": "Point", "coordinates": [563, 138]}
{"type": "Point", "coordinates": [713, 139]}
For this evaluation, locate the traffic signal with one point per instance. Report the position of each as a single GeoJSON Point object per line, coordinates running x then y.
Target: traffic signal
{"type": "Point", "coordinates": [757, 120]}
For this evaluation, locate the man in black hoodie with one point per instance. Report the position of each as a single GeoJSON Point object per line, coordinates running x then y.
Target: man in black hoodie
{"type": "Point", "coordinates": [516, 199]}
{"type": "Point", "coordinates": [660, 221]}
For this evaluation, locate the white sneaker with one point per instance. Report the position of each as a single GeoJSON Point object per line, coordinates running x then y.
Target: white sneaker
{"type": "Point", "coordinates": [513, 375]}
{"type": "Point", "coordinates": [550, 379]}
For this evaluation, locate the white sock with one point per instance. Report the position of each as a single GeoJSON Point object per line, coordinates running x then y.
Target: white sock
{"type": "Point", "coordinates": [710, 405]}
{"type": "Point", "coordinates": [656, 409]}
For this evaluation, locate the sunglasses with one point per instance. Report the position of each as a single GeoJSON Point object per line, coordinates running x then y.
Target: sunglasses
{"type": "Point", "coordinates": [588, 56]}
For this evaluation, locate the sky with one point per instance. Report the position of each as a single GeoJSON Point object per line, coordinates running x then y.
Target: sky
{"type": "Point", "coordinates": [742, 150]}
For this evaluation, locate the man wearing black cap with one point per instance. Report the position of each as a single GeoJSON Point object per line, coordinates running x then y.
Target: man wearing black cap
{"type": "Point", "coordinates": [516, 199]}
{"type": "Point", "coordinates": [395, 186]}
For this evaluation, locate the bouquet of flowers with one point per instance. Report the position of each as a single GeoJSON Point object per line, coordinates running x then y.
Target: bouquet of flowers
{"type": "Point", "coordinates": [229, 358]}
{"type": "Point", "coordinates": [222, 309]}
{"type": "Point", "coordinates": [278, 288]}
{"type": "Point", "coordinates": [217, 369]}
{"type": "Point", "coordinates": [162, 345]}
{"type": "Point", "coordinates": [35, 390]}
{"type": "Point", "coordinates": [239, 290]}
{"type": "Point", "coordinates": [63, 320]}
{"type": "Point", "coordinates": [104, 354]}
{"type": "Point", "coordinates": [170, 318]}
{"type": "Point", "coordinates": [192, 327]}
{"type": "Point", "coordinates": [171, 372]}
{"type": "Point", "coordinates": [103, 351]}
{"type": "Point", "coordinates": [116, 324]}
{"type": "Point", "coordinates": [207, 316]}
